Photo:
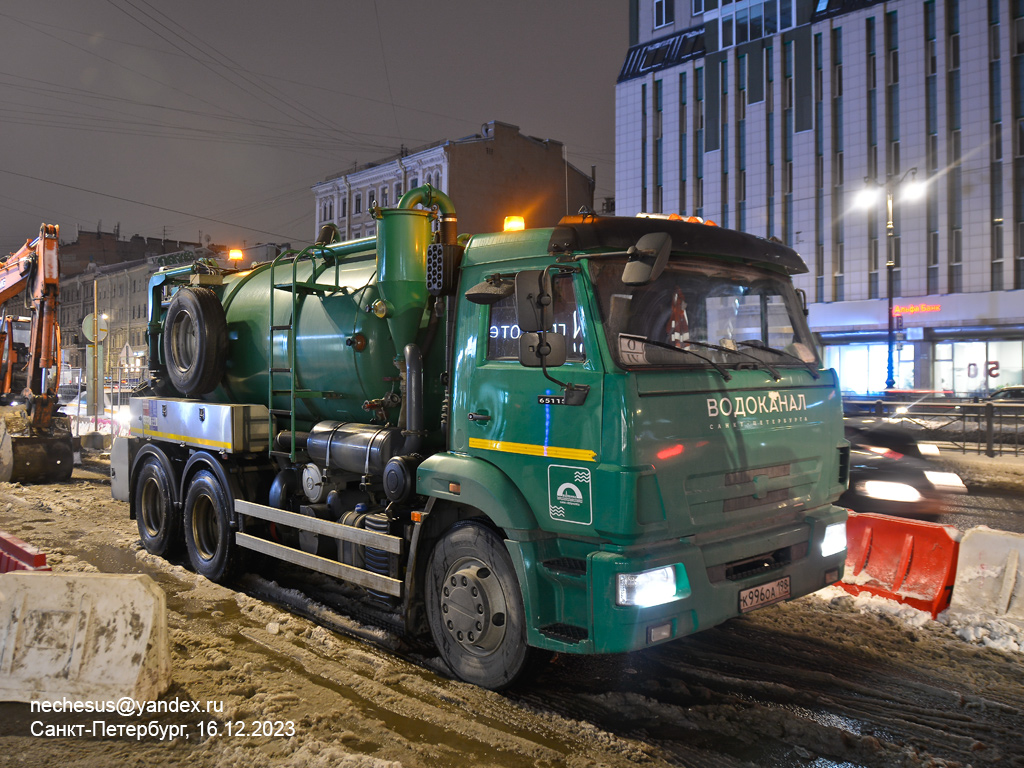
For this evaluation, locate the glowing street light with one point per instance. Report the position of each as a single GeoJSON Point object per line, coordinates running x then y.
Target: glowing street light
{"type": "Point", "coordinates": [909, 191]}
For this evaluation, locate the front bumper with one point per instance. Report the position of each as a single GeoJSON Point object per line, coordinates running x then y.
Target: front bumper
{"type": "Point", "coordinates": [579, 614]}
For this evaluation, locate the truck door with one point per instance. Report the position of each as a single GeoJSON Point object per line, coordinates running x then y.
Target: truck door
{"type": "Point", "coordinates": [516, 419]}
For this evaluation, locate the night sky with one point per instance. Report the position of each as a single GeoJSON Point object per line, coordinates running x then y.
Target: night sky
{"type": "Point", "coordinates": [213, 118]}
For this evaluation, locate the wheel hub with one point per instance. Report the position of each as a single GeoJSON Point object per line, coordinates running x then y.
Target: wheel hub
{"type": "Point", "coordinates": [473, 607]}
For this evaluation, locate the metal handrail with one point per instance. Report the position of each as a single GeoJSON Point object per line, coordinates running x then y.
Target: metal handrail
{"type": "Point", "coordinates": [993, 429]}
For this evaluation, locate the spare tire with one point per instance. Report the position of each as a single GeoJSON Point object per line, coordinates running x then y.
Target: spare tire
{"type": "Point", "coordinates": [195, 341]}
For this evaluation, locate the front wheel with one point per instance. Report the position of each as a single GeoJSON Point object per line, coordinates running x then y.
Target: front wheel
{"type": "Point", "coordinates": [208, 535]}
{"type": "Point", "coordinates": [475, 608]}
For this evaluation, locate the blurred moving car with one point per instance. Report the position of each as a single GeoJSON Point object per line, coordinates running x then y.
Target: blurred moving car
{"type": "Point", "coordinates": [1013, 393]}
{"type": "Point", "coordinates": [890, 473]}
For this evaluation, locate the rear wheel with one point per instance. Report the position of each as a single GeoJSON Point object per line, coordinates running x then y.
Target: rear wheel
{"type": "Point", "coordinates": [475, 608]}
{"type": "Point", "coordinates": [208, 535]}
{"type": "Point", "coordinates": [159, 522]}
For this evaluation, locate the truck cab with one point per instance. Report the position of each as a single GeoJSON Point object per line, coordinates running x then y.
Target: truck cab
{"type": "Point", "coordinates": [695, 479]}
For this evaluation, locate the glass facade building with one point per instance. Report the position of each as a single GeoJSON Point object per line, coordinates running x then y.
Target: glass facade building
{"type": "Point", "coordinates": [776, 116]}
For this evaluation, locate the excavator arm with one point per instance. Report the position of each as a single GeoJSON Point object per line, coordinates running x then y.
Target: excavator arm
{"type": "Point", "coordinates": [34, 270]}
{"type": "Point", "coordinates": [40, 449]}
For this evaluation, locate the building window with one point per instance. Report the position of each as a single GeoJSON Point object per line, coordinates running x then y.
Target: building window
{"type": "Point", "coordinates": [658, 183]}
{"type": "Point", "coordinates": [357, 206]}
{"type": "Point", "coordinates": [955, 175]}
{"type": "Point", "coordinates": [384, 196]}
{"type": "Point", "coordinates": [643, 147]}
{"type": "Point", "coordinates": [682, 143]}
{"type": "Point", "coordinates": [698, 143]}
{"type": "Point", "coordinates": [664, 13]}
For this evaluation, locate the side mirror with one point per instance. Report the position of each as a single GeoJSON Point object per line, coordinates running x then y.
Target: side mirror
{"type": "Point", "coordinates": [534, 311]}
{"type": "Point", "coordinates": [647, 259]}
{"type": "Point", "coordinates": [542, 349]}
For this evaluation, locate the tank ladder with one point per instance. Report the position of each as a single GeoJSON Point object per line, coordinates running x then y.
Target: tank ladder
{"type": "Point", "coordinates": [298, 290]}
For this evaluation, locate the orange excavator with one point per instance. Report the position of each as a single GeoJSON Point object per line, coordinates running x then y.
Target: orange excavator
{"type": "Point", "coordinates": [35, 441]}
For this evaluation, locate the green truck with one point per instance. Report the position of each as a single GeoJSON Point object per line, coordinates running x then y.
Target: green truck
{"type": "Point", "coordinates": [591, 438]}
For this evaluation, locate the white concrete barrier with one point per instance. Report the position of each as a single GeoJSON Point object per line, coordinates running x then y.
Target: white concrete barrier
{"type": "Point", "coordinates": [82, 637]}
{"type": "Point", "coordinates": [989, 574]}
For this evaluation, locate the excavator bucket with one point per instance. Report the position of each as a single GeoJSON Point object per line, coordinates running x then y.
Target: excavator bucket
{"type": "Point", "coordinates": [35, 458]}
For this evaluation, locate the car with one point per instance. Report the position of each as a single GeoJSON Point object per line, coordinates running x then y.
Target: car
{"type": "Point", "coordinates": [1012, 393]}
{"type": "Point", "coordinates": [890, 473]}
{"type": "Point", "coordinates": [113, 417]}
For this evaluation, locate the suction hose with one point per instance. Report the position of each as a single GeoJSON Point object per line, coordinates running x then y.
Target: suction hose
{"type": "Point", "coordinates": [428, 197]}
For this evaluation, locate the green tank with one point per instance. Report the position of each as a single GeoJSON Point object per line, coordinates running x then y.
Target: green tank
{"type": "Point", "coordinates": [341, 316]}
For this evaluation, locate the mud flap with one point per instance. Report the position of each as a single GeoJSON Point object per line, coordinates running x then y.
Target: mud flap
{"type": "Point", "coordinates": [83, 637]}
{"type": "Point", "coordinates": [990, 575]}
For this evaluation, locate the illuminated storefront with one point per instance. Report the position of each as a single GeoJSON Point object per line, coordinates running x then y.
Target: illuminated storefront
{"type": "Point", "coordinates": [963, 345]}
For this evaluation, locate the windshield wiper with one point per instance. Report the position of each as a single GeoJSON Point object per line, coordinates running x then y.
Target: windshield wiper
{"type": "Point", "coordinates": [758, 344]}
{"type": "Point", "coordinates": [771, 370]}
{"type": "Point", "coordinates": [661, 345]}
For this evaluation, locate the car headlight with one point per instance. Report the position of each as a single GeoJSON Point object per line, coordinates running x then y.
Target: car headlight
{"type": "Point", "coordinates": [646, 588]}
{"type": "Point", "coordinates": [889, 491]}
{"type": "Point", "coordinates": [946, 481]}
{"type": "Point", "coordinates": [834, 541]}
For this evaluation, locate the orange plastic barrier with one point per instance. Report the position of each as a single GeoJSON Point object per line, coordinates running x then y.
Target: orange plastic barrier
{"type": "Point", "coordinates": [908, 561]}
{"type": "Point", "coordinates": [16, 555]}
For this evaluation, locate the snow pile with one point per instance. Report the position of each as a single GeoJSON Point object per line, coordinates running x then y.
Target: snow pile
{"type": "Point", "coordinates": [865, 602]}
{"type": "Point", "coordinates": [975, 628]}
{"type": "Point", "coordinates": [985, 630]}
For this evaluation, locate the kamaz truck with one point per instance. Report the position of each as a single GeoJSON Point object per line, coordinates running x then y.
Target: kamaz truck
{"type": "Point", "coordinates": [591, 438]}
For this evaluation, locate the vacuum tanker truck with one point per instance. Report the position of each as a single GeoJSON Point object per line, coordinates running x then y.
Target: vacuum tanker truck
{"type": "Point", "coordinates": [590, 438]}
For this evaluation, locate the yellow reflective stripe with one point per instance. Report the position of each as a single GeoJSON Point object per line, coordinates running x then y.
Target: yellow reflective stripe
{"type": "Point", "coordinates": [554, 452]}
{"type": "Point", "coordinates": [180, 438]}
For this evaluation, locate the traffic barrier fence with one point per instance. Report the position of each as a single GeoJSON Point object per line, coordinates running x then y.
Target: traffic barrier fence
{"type": "Point", "coordinates": [909, 561]}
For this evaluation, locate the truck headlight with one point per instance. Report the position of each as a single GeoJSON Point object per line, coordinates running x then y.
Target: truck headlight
{"type": "Point", "coordinates": [646, 588]}
{"type": "Point", "coordinates": [835, 539]}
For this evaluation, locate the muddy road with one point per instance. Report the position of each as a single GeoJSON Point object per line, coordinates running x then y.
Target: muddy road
{"type": "Point", "coordinates": [815, 682]}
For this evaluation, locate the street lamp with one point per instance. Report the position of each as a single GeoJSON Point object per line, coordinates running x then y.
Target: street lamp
{"type": "Point", "coordinates": [909, 191]}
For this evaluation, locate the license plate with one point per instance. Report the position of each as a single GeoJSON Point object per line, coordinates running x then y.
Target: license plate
{"type": "Point", "coordinates": [765, 594]}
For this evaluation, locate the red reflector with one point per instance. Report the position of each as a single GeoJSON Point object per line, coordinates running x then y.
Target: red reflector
{"type": "Point", "coordinates": [668, 453]}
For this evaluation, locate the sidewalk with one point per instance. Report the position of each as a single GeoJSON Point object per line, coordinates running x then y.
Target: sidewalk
{"type": "Point", "coordinates": [1005, 473]}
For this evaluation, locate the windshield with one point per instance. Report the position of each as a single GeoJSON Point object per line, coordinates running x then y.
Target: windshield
{"type": "Point", "coordinates": [703, 314]}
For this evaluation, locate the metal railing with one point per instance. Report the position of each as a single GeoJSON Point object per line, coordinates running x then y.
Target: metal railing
{"type": "Point", "coordinates": [992, 429]}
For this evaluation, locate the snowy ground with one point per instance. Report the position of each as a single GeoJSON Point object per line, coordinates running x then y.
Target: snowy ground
{"type": "Point", "coordinates": [828, 680]}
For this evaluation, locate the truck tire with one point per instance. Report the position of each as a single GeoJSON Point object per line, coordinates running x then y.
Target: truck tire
{"type": "Point", "coordinates": [475, 608]}
{"type": "Point", "coordinates": [195, 341]}
{"type": "Point", "coordinates": [208, 536]}
{"type": "Point", "coordinates": [159, 522]}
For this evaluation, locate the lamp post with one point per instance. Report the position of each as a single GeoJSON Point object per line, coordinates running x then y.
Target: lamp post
{"type": "Point", "coordinates": [910, 190]}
